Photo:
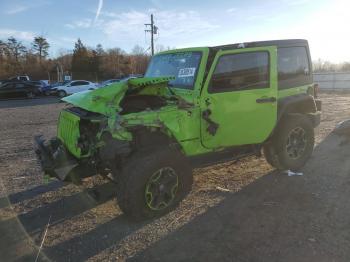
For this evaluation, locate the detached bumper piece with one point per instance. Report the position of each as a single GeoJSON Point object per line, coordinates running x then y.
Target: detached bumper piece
{"type": "Point", "coordinates": [57, 162]}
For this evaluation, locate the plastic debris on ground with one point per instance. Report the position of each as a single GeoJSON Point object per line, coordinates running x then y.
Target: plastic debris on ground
{"type": "Point", "coordinates": [291, 173]}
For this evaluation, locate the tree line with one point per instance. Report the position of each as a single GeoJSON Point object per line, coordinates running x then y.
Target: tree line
{"type": "Point", "coordinates": [321, 66]}
{"type": "Point", "coordinates": [95, 64]}
{"type": "Point", "coordinates": [83, 62]}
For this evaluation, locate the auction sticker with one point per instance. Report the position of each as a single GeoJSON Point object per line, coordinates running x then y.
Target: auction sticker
{"type": "Point", "coordinates": [186, 72]}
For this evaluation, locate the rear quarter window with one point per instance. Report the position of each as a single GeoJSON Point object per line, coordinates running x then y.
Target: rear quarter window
{"type": "Point", "coordinates": [293, 67]}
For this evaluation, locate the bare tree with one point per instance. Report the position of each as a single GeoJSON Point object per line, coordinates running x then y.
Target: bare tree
{"type": "Point", "coordinates": [16, 48]}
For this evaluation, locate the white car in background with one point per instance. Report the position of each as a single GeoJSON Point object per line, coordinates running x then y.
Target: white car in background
{"type": "Point", "coordinates": [74, 87]}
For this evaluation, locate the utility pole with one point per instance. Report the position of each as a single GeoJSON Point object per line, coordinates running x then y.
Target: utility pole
{"type": "Point", "coordinates": [153, 30]}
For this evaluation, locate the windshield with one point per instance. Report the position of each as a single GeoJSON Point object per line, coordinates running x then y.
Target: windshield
{"type": "Point", "coordinates": [183, 66]}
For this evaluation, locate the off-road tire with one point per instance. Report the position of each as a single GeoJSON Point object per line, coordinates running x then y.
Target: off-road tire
{"type": "Point", "coordinates": [270, 156]}
{"type": "Point", "coordinates": [275, 150]}
{"type": "Point", "coordinates": [133, 179]}
{"type": "Point", "coordinates": [62, 93]}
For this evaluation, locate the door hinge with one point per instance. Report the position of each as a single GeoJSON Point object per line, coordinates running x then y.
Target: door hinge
{"type": "Point", "coordinates": [212, 126]}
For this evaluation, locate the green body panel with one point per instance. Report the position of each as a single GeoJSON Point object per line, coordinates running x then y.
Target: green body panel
{"type": "Point", "coordinates": [293, 91]}
{"type": "Point", "coordinates": [241, 120]}
{"type": "Point", "coordinates": [68, 132]}
{"type": "Point", "coordinates": [181, 124]}
{"type": "Point", "coordinates": [106, 100]}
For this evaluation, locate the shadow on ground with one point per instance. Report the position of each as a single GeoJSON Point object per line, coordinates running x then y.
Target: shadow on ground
{"type": "Point", "coordinates": [17, 233]}
{"type": "Point", "coordinates": [30, 193]}
{"type": "Point", "coordinates": [276, 218]}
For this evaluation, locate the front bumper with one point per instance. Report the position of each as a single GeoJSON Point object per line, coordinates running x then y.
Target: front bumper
{"type": "Point", "coordinates": [316, 117]}
{"type": "Point", "coordinates": [55, 160]}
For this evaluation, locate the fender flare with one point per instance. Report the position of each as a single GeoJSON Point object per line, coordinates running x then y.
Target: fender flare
{"type": "Point", "coordinates": [298, 104]}
{"type": "Point", "coordinates": [302, 104]}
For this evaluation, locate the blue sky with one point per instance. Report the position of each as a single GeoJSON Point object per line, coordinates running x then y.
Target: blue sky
{"type": "Point", "coordinates": [116, 23]}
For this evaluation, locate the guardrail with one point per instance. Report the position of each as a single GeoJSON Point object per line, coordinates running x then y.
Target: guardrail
{"type": "Point", "coordinates": [333, 80]}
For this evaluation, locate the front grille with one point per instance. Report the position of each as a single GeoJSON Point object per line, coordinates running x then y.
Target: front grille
{"type": "Point", "coordinates": [68, 132]}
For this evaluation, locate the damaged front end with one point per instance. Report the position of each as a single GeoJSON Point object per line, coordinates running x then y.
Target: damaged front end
{"type": "Point", "coordinates": [57, 162]}
{"type": "Point", "coordinates": [91, 138]}
{"type": "Point", "coordinates": [69, 156]}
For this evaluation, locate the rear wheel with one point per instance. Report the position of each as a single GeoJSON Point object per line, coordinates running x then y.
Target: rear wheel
{"type": "Point", "coordinates": [153, 182]}
{"type": "Point", "coordinates": [292, 144]}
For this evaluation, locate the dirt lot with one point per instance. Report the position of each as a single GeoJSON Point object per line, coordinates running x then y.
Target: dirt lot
{"type": "Point", "coordinates": [227, 216]}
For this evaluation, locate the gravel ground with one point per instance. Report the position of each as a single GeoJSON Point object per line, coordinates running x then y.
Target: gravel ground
{"type": "Point", "coordinates": [82, 229]}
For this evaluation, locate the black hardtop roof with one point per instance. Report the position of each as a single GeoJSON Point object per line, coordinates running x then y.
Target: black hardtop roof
{"type": "Point", "coordinates": [278, 43]}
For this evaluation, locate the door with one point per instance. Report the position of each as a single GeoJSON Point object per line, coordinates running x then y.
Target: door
{"type": "Point", "coordinates": [7, 90]}
{"type": "Point", "coordinates": [21, 89]}
{"type": "Point", "coordinates": [74, 87]}
{"type": "Point", "coordinates": [81, 86]}
{"type": "Point", "coordinates": [90, 86]}
{"type": "Point", "coordinates": [84, 85]}
{"type": "Point", "coordinates": [239, 98]}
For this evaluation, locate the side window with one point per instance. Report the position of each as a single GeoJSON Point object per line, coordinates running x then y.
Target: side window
{"type": "Point", "coordinates": [242, 71]}
{"type": "Point", "coordinates": [76, 83]}
{"type": "Point", "coordinates": [8, 85]}
{"type": "Point", "coordinates": [293, 67]}
{"type": "Point", "coordinates": [80, 83]}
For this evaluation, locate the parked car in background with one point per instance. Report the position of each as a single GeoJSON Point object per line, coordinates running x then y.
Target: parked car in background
{"type": "Point", "coordinates": [15, 79]}
{"type": "Point", "coordinates": [73, 87]}
{"type": "Point", "coordinates": [108, 82]}
{"type": "Point", "coordinates": [112, 81]}
{"type": "Point", "coordinates": [40, 84]}
{"type": "Point", "coordinates": [19, 78]}
{"type": "Point", "coordinates": [131, 77]}
{"type": "Point", "coordinates": [49, 89]}
{"type": "Point", "coordinates": [19, 89]}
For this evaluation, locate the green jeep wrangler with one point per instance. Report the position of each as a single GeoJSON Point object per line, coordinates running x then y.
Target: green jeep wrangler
{"type": "Point", "coordinates": [193, 107]}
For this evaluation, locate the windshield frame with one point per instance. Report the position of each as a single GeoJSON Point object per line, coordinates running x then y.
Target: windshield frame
{"type": "Point", "coordinates": [183, 87]}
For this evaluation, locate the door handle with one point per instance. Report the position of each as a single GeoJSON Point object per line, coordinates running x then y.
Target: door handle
{"type": "Point", "coordinates": [266, 100]}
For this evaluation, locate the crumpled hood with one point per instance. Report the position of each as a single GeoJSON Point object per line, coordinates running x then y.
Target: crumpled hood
{"type": "Point", "coordinates": [106, 100]}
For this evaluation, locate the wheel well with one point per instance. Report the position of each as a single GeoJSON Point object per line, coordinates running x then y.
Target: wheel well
{"type": "Point", "coordinates": [300, 104]}
{"type": "Point", "coordinates": [147, 138]}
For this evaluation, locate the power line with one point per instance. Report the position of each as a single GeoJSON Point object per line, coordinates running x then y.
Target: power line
{"type": "Point", "coordinates": [151, 28]}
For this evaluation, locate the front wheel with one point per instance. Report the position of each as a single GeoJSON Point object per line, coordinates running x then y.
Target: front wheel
{"type": "Point", "coordinates": [292, 144]}
{"type": "Point", "coordinates": [153, 182]}
{"type": "Point", "coordinates": [62, 93]}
